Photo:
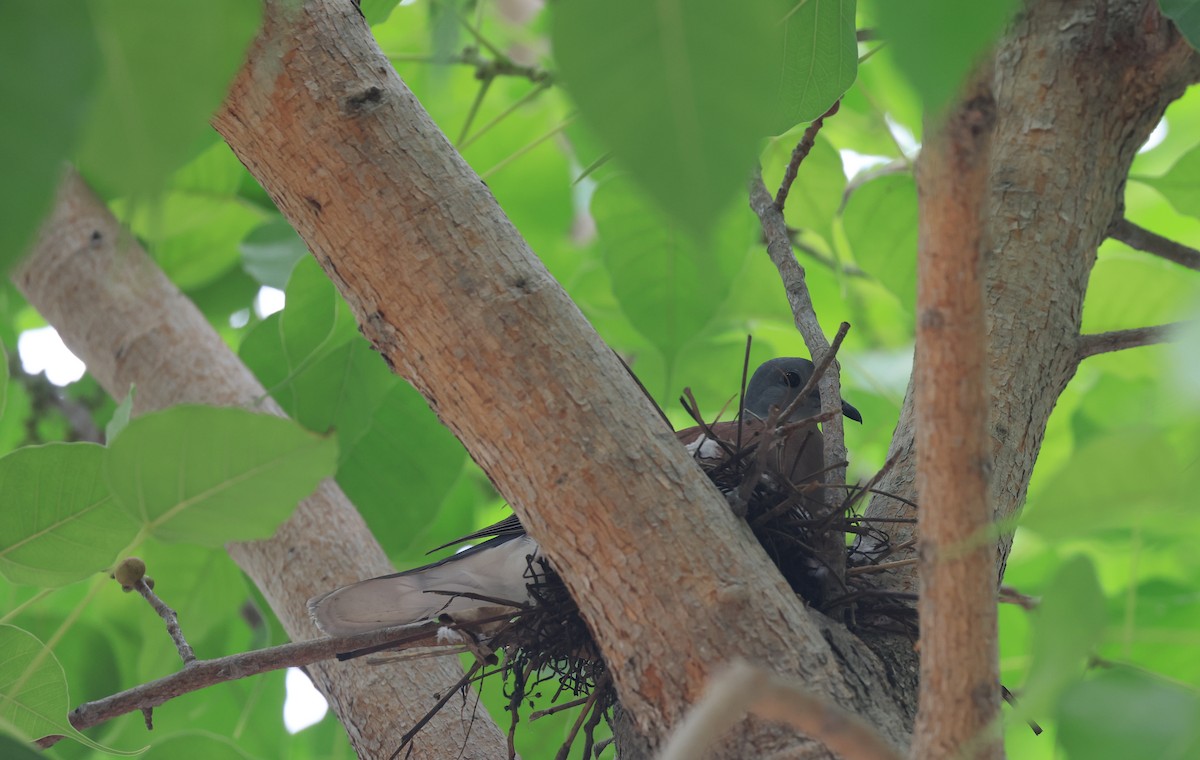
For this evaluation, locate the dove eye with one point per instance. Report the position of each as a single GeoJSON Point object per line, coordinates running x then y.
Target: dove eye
{"type": "Point", "coordinates": [793, 379]}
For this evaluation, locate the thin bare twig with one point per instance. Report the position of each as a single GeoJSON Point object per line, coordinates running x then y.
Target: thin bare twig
{"type": "Point", "coordinates": [748, 688]}
{"type": "Point", "coordinates": [1142, 239]}
{"type": "Point", "coordinates": [800, 152]}
{"type": "Point", "coordinates": [170, 618]}
{"type": "Point", "coordinates": [201, 674]}
{"type": "Point", "coordinates": [1009, 595]}
{"type": "Point", "coordinates": [1119, 340]}
{"type": "Point", "coordinates": [881, 567]}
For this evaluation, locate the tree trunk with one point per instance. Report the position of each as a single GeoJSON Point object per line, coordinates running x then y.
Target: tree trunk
{"type": "Point", "coordinates": [441, 283]}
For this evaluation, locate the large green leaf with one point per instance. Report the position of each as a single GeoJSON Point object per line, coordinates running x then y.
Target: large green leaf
{"type": "Point", "coordinates": [1186, 15]}
{"type": "Point", "coordinates": [150, 117]}
{"type": "Point", "coordinates": [1122, 713]}
{"type": "Point", "coordinates": [209, 475]}
{"type": "Point", "coordinates": [1124, 479]}
{"type": "Point", "coordinates": [820, 58]}
{"type": "Point", "coordinates": [880, 221]}
{"type": "Point", "coordinates": [668, 285]}
{"type": "Point", "coordinates": [1067, 627]}
{"type": "Point", "coordinates": [60, 522]}
{"type": "Point", "coordinates": [33, 691]}
{"type": "Point", "coordinates": [937, 42]}
{"type": "Point", "coordinates": [677, 90]}
{"type": "Point", "coordinates": [50, 64]}
{"type": "Point", "coordinates": [1181, 183]}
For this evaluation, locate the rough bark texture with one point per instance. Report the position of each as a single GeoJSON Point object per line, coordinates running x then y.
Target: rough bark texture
{"type": "Point", "coordinates": [1078, 88]}
{"type": "Point", "coordinates": [959, 696]}
{"type": "Point", "coordinates": [117, 311]}
{"type": "Point", "coordinates": [449, 293]}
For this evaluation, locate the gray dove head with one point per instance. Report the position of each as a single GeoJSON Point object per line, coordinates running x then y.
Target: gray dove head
{"type": "Point", "coordinates": [778, 382]}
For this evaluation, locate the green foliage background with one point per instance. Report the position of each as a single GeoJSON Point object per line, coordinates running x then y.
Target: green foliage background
{"type": "Point", "coordinates": [625, 172]}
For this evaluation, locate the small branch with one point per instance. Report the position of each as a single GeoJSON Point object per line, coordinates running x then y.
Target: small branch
{"type": "Point", "coordinates": [1142, 239]}
{"type": "Point", "coordinates": [747, 688]}
{"type": "Point", "coordinates": [881, 567]}
{"type": "Point", "coordinates": [201, 674]}
{"type": "Point", "coordinates": [779, 248]}
{"type": "Point", "coordinates": [170, 618]}
{"type": "Point", "coordinates": [1119, 340]}
{"type": "Point", "coordinates": [1009, 595]}
{"type": "Point", "coordinates": [800, 152]}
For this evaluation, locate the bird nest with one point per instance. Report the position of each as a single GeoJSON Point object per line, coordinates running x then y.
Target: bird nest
{"type": "Point", "coordinates": [550, 658]}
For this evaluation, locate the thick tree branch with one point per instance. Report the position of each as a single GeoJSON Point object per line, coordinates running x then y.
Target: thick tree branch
{"type": "Point", "coordinates": [1142, 239]}
{"type": "Point", "coordinates": [453, 298]}
{"type": "Point", "coordinates": [117, 311]}
{"type": "Point", "coordinates": [959, 703]}
{"type": "Point", "coordinates": [1120, 340]}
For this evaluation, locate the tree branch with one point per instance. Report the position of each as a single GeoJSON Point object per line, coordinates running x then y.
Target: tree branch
{"type": "Point", "coordinates": [538, 400]}
{"type": "Point", "coordinates": [200, 674]}
{"type": "Point", "coordinates": [800, 152]}
{"type": "Point", "coordinates": [959, 704]}
{"type": "Point", "coordinates": [1142, 239]}
{"type": "Point", "coordinates": [120, 314]}
{"type": "Point", "coordinates": [743, 688]}
{"type": "Point", "coordinates": [779, 248]}
{"type": "Point", "coordinates": [1120, 340]}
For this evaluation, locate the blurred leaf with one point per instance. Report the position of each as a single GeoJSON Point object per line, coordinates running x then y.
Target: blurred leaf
{"type": "Point", "coordinates": [1121, 713]}
{"type": "Point", "coordinates": [1181, 184]}
{"type": "Point", "coordinates": [3, 379]}
{"type": "Point", "coordinates": [195, 745]}
{"type": "Point", "coordinates": [120, 418]}
{"type": "Point", "coordinates": [1186, 15]}
{"type": "Point", "coordinates": [936, 43]}
{"type": "Point", "coordinates": [683, 119]}
{"type": "Point", "coordinates": [270, 252]}
{"type": "Point", "coordinates": [1126, 478]}
{"type": "Point", "coordinates": [208, 475]}
{"type": "Point", "coordinates": [33, 691]}
{"type": "Point", "coordinates": [880, 220]}
{"type": "Point", "coordinates": [820, 58]}
{"type": "Point", "coordinates": [376, 11]}
{"type": "Point", "coordinates": [50, 65]}
{"type": "Point", "coordinates": [816, 195]}
{"type": "Point", "coordinates": [60, 523]}
{"type": "Point", "coordinates": [1067, 627]}
{"type": "Point", "coordinates": [14, 750]}
{"type": "Point", "coordinates": [1113, 300]}
{"type": "Point", "coordinates": [194, 228]}
{"type": "Point", "coordinates": [149, 117]}
{"type": "Point", "coordinates": [668, 286]}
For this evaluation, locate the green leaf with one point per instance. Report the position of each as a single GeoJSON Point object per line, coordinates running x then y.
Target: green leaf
{"type": "Point", "coordinates": [315, 319]}
{"type": "Point", "coordinates": [150, 117]}
{"type": "Point", "coordinates": [1181, 184]}
{"type": "Point", "coordinates": [3, 379]}
{"type": "Point", "coordinates": [1097, 490]}
{"type": "Point", "coordinates": [1186, 15]}
{"type": "Point", "coordinates": [1067, 627]}
{"type": "Point", "coordinates": [60, 522]}
{"type": "Point", "coordinates": [1122, 713]}
{"type": "Point", "coordinates": [963, 32]}
{"type": "Point", "coordinates": [120, 418]}
{"type": "Point", "coordinates": [208, 475]}
{"type": "Point", "coordinates": [676, 90]}
{"type": "Point", "coordinates": [195, 745]}
{"type": "Point", "coordinates": [668, 285]}
{"type": "Point", "coordinates": [377, 11]}
{"type": "Point", "coordinates": [50, 65]}
{"type": "Point", "coordinates": [820, 58]}
{"type": "Point", "coordinates": [33, 691]}
{"type": "Point", "coordinates": [14, 750]}
{"type": "Point", "coordinates": [270, 252]}
{"type": "Point", "coordinates": [880, 221]}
